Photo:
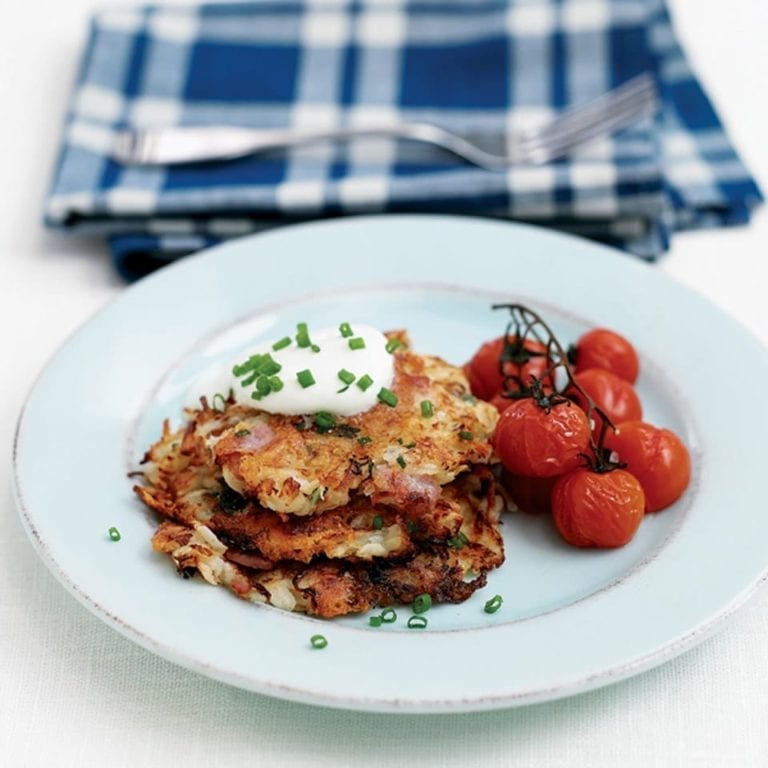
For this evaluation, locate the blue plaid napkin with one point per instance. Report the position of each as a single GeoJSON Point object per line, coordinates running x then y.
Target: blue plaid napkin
{"type": "Point", "coordinates": [473, 66]}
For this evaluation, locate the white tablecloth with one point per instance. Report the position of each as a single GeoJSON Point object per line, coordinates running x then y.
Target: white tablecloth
{"type": "Point", "coordinates": [73, 692]}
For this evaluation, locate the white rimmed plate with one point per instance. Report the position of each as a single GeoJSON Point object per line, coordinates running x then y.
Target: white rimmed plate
{"type": "Point", "coordinates": [571, 620]}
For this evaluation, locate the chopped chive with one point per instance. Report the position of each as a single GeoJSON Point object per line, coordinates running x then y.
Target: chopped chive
{"type": "Point", "coordinates": [422, 603]}
{"type": "Point", "coordinates": [364, 440]}
{"type": "Point", "coordinates": [388, 616]}
{"type": "Point", "coordinates": [417, 622]}
{"type": "Point", "coordinates": [223, 402]}
{"type": "Point", "coordinates": [392, 345]}
{"type": "Point", "coordinates": [263, 387]}
{"type": "Point", "coordinates": [315, 348]}
{"type": "Point", "coordinates": [114, 534]}
{"type": "Point", "coordinates": [375, 621]}
{"type": "Point", "coordinates": [318, 641]}
{"type": "Point", "coordinates": [378, 522]}
{"type": "Point", "coordinates": [357, 343]}
{"type": "Point", "coordinates": [242, 432]}
{"type": "Point", "coordinates": [302, 335]}
{"type": "Point", "coordinates": [459, 541]}
{"type": "Point", "coordinates": [401, 462]}
{"type": "Point", "coordinates": [269, 367]}
{"type": "Point", "coordinates": [387, 396]}
{"type": "Point", "coordinates": [364, 382]}
{"type": "Point", "coordinates": [276, 383]}
{"type": "Point", "coordinates": [465, 434]}
{"type": "Point", "coordinates": [468, 398]}
{"type": "Point", "coordinates": [248, 380]}
{"type": "Point", "coordinates": [427, 410]}
{"type": "Point", "coordinates": [305, 377]}
{"type": "Point", "coordinates": [410, 445]}
{"type": "Point", "coordinates": [324, 421]}
{"type": "Point", "coordinates": [493, 604]}
{"type": "Point", "coordinates": [346, 376]}
{"type": "Point", "coordinates": [345, 329]}
{"type": "Point", "coordinates": [282, 343]}
{"type": "Point", "coordinates": [316, 495]}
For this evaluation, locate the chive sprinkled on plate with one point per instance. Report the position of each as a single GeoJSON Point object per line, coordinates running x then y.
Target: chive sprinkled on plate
{"type": "Point", "coordinates": [422, 603]}
{"type": "Point", "coordinates": [318, 641]}
{"type": "Point", "coordinates": [114, 534]}
{"type": "Point", "coordinates": [388, 616]}
{"type": "Point", "coordinates": [493, 604]}
{"type": "Point", "coordinates": [417, 622]}
{"type": "Point", "coordinates": [375, 621]}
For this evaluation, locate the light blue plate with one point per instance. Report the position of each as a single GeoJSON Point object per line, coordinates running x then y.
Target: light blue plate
{"type": "Point", "coordinates": [571, 620]}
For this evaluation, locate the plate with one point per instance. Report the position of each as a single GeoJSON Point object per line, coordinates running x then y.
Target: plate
{"type": "Point", "coordinates": [572, 620]}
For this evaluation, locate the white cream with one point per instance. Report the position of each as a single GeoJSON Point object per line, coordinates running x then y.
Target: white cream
{"type": "Point", "coordinates": [335, 354]}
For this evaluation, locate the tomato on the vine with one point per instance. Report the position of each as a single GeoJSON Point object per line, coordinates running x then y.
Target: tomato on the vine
{"type": "Point", "coordinates": [657, 457]}
{"type": "Point", "coordinates": [541, 440]}
{"type": "Point", "coordinates": [597, 509]}
{"type": "Point", "coordinates": [602, 348]}
{"type": "Point", "coordinates": [614, 395]}
{"type": "Point", "coordinates": [484, 372]}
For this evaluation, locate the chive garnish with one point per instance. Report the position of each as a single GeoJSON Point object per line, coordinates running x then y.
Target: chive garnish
{"type": "Point", "coordinates": [392, 345]}
{"type": "Point", "coordinates": [465, 434]}
{"type": "Point", "coordinates": [346, 376]}
{"type": "Point", "coordinates": [401, 462]}
{"type": "Point", "coordinates": [378, 522]}
{"type": "Point", "coordinates": [305, 377]}
{"type": "Point", "coordinates": [375, 621]}
{"type": "Point", "coordinates": [357, 343]}
{"type": "Point", "coordinates": [315, 348]}
{"type": "Point", "coordinates": [387, 396]}
{"type": "Point", "coordinates": [459, 541]}
{"type": "Point", "coordinates": [223, 402]}
{"type": "Point", "coordinates": [364, 440]}
{"type": "Point", "coordinates": [364, 382]}
{"type": "Point", "coordinates": [242, 432]}
{"type": "Point", "coordinates": [302, 335]}
{"type": "Point", "coordinates": [282, 343]}
{"type": "Point", "coordinates": [422, 603]}
{"type": "Point", "coordinates": [276, 383]}
{"type": "Point", "coordinates": [346, 330]}
{"type": "Point", "coordinates": [427, 409]}
{"type": "Point", "coordinates": [318, 641]}
{"type": "Point", "coordinates": [493, 604]}
{"type": "Point", "coordinates": [263, 387]}
{"type": "Point", "coordinates": [388, 616]}
{"type": "Point", "coordinates": [324, 421]}
{"type": "Point", "coordinates": [417, 622]}
{"type": "Point", "coordinates": [114, 534]}
{"type": "Point", "coordinates": [268, 366]}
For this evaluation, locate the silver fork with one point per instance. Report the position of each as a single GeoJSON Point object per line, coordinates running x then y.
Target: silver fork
{"type": "Point", "coordinates": [579, 125]}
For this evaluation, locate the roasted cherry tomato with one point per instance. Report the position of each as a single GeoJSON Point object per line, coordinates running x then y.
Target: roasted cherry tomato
{"type": "Point", "coordinates": [601, 348]}
{"type": "Point", "coordinates": [656, 457]}
{"type": "Point", "coordinates": [597, 509]}
{"type": "Point", "coordinates": [541, 442]}
{"type": "Point", "coordinates": [530, 494]}
{"type": "Point", "coordinates": [616, 396]}
{"type": "Point", "coordinates": [485, 377]}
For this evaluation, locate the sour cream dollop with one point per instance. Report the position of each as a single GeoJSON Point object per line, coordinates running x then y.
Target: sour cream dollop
{"type": "Point", "coordinates": [328, 392]}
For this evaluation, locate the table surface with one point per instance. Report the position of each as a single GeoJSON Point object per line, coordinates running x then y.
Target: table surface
{"type": "Point", "coordinates": [73, 692]}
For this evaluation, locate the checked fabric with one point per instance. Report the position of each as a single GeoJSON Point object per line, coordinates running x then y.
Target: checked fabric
{"type": "Point", "coordinates": [483, 68]}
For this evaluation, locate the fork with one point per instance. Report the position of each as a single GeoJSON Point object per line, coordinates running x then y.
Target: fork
{"type": "Point", "coordinates": [609, 113]}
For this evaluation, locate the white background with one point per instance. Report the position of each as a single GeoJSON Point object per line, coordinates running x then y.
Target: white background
{"type": "Point", "coordinates": [75, 693]}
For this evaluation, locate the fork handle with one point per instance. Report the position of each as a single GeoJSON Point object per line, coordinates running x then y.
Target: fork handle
{"type": "Point", "coordinates": [183, 144]}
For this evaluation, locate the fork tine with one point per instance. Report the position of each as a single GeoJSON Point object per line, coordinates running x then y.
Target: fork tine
{"type": "Point", "coordinates": [638, 89]}
{"type": "Point", "coordinates": [543, 149]}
